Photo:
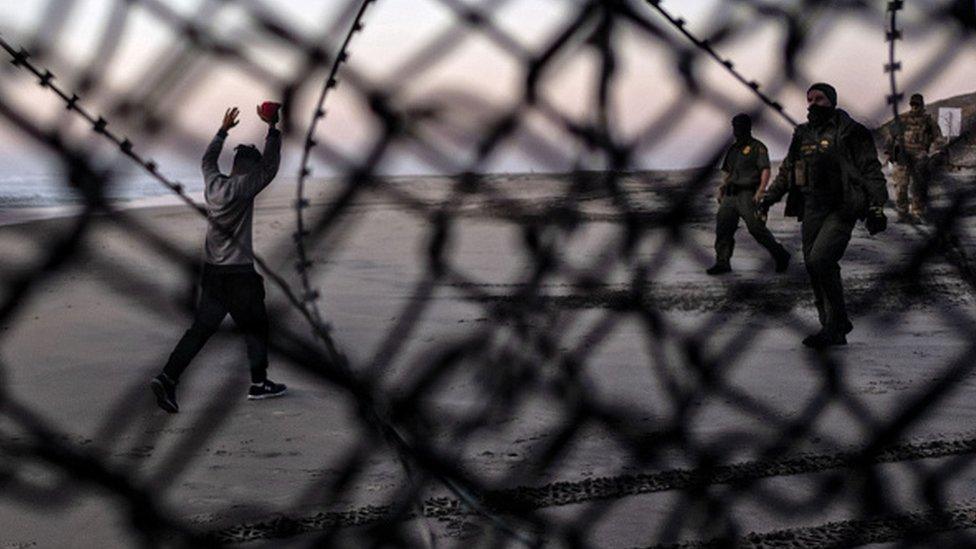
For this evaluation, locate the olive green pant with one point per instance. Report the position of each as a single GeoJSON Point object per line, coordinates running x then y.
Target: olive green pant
{"type": "Point", "coordinates": [733, 207]}
{"type": "Point", "coordinates": [910, 180]}
{"type": "Point", "coordinates": [826, 234]}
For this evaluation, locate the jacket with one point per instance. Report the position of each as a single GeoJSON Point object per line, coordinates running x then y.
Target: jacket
{"type": "Point", "coordinates": [835, 163]}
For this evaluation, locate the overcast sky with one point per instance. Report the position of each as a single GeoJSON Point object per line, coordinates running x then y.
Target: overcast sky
{"type": "Point", "coordinates": [849, 52]}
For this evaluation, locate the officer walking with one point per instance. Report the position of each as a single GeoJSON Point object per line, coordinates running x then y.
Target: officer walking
{"type": "Point", "coordinates": [833, 178]}
{"type": "Point", "coordinates": [908, 144]}
{"type": "Point", "coordinates": [746, 173]}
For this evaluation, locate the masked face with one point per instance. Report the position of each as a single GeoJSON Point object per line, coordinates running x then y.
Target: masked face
{"type": "Point", "coordinates": [917, 107]}
{"type": "Point", "coordinates": [819, 107]}
{"type": "Point", "coordinates": [741, 127]}
{"type": "Point", "coordinates": [818, 114]}
{"type": "Point", "coordinates": [741, 132]}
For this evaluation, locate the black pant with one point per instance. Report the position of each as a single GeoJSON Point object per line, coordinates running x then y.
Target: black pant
{"type": "Point", "coordinates": [234, 289]}
{"type": "Point", "coordinates": [738, 204]}
{"type": "Point", "coordinates": [826, 233]}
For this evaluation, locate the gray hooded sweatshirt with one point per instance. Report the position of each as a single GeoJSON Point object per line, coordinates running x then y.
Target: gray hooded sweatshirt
{"type": "Point", "coordinates": [230, 201]}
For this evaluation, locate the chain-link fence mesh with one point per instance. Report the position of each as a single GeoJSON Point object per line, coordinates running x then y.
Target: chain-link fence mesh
{"type": "Point", "coordinates": [549, 368]}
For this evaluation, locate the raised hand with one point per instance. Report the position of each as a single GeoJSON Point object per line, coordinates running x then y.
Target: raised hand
{"type": "Point", "coordinates": [230, 119]}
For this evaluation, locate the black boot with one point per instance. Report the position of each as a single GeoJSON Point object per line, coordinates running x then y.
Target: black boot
{"type": "Point", "coordinates": [825, 338]}
{"type": "Point", "coordinates": [846, 327]}
{"type": "Point", "coordinates": [782, 261]}
{"type": "Point", "coordinates": [720, 267]}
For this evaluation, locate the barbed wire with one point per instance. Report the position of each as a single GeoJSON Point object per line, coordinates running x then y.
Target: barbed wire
{"type": "Point", "coordinates": [337, 360]}
{"type": "Point", "coordinates": [99, 125]}
{"type": "Point", "coordinates": [305, 170]}
{"type": "Point", "coordinates": [704, 45]}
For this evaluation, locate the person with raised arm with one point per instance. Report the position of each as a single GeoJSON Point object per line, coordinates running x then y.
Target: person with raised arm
{"type": "Point", "coordinates": [230, 283]}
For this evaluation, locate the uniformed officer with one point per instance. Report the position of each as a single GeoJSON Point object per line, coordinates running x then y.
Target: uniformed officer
{"type": "Point", "coordinates": [745, 176]}
{"type": "Point", "coordinates": [909, 142]}
{"type": "Point", "coordinates": [833, 178]}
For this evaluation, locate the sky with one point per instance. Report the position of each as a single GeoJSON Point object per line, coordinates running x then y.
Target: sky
{"type": "Point", "coordinates": [474, 76]}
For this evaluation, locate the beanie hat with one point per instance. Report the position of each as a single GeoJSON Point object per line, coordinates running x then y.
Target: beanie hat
{"type": "Point", "coordinates": [827, 90]}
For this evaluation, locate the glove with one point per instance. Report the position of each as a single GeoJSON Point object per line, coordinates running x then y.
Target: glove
{"type": "Point", "coordinates": [876, 220]}
{"type": "Point", "coordinates": [762, 208]}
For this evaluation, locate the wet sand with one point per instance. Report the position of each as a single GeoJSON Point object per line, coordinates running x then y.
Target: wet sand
{"type": "Point", "coordinates": [82, 347]}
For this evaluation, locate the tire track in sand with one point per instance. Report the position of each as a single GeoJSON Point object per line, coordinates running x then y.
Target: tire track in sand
{"type": "Point", "coordinates": [528, 498]}
{"type": "Point", "coordinates": [848, 533]}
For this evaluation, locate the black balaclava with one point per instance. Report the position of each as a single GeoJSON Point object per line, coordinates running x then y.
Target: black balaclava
{"type": "Point", "coordinates": [819, 114]}
{"type": "Point", "coordinates": [742, 127]}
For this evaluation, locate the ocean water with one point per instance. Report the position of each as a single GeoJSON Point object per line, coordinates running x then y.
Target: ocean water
{"type": "Point", "coordinates": [45, 190]}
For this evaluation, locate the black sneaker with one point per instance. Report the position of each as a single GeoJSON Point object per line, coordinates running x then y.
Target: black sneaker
{"type": "Point", "coordinates": [824, 339]}
{"type": "Point", "coordinates": [165, 391]}
{"type": "Point", "coordinates": [265, 389]}
{"type": "Point", "coordinates": [719, 268]}
{"type": "Point", "coordinates": [783, 261]}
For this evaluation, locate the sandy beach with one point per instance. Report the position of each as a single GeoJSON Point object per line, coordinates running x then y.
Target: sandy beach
{"type": "Point", "coordinates": [82, 347]}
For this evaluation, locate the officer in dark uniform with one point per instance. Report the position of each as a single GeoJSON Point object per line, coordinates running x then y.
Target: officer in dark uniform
{"type": "Point", "coordinates": [833, 178]}
{"type": "Point", "coordinates": [746, 174]}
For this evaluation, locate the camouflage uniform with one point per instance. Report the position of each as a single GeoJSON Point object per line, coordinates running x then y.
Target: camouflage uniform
{"type": "Point", "coordinates": [743, 165]}
{"type": "Point", "coordinates": [833, 176]}
{"type": "Point", "coordinates": [910, 174]}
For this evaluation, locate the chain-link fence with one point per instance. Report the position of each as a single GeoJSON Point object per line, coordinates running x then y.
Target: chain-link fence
{"type": "Point", "coordinates": [492, 359]}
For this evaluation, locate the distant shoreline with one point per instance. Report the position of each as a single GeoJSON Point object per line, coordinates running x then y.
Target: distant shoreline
{"type": "Point", "coordinates": [16, 215]}
{"type": "Point", "coordinates": [22, 215]}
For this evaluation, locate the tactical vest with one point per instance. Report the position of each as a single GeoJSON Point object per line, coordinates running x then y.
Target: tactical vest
{"type": "Point", "coordinates": [917, 132]}
{"type": "Point", "coordinates": [835, 165]}
{"type": "Point", "coordinates": [817, 170]}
